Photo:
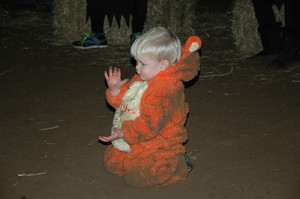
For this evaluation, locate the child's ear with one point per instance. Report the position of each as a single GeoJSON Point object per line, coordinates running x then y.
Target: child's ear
{"type": "Point", "coordinates": [164, 64]}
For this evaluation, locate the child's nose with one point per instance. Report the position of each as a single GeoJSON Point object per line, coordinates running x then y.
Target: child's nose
{"type": "Point", "coordinates": [137, 67]}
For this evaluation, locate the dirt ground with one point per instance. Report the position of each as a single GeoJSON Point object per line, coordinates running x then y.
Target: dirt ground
{"type": "Point", "coordinates": [243, 126]}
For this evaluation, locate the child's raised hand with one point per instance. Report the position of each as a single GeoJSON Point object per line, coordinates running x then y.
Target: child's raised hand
{"type": "Point", "coordinates": [113, 79]}
{"type": "Point", "coordinates": [118, 133]}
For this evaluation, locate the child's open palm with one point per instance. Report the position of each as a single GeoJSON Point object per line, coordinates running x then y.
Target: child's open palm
{"type": "Point", "coordinates": [113, 79]}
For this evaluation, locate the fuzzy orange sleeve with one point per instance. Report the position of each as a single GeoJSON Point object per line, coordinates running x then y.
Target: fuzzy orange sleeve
{"type": "Point", "coordinates": [155, 110]}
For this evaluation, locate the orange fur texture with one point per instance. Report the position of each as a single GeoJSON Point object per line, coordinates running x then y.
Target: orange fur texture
{"type": "Point", "coordinates": [156, 137]}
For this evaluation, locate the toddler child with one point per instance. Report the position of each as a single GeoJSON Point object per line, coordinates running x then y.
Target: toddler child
{"type": "Point", "coordinates": [148, 130]}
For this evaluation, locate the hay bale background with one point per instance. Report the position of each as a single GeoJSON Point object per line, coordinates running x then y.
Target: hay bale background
{"type": "Point", "coordinates": [244, 26]}
{"type": "Point", "coordinates": [69, 20]}
{"type": "Point", "coordinates": [177, 15]}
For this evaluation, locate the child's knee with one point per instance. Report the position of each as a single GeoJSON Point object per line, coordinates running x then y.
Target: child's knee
{"type": "Point", "coordinates": [155, 172]}
{"type": "Point", "coordinates": [114, 161]}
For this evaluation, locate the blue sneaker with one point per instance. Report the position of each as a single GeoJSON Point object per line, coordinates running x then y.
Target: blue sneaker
{"type": "Point", "coordinates": [91, 41]}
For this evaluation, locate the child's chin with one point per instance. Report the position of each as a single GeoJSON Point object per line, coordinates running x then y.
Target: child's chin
{"type": "Point", "coordinates": [143, 78]}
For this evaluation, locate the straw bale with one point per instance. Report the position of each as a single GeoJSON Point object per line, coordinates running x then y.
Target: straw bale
{"type": "Point", "coordinates": [117, 35]}
{"type": "Point", "coordinates": [244, 26]}
{"type": "Point", "coordinates": [176, 15]}
{"type": "Point", "coordinates": [69, 20]}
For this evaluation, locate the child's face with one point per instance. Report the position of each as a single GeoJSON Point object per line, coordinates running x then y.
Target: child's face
{"type": "Point", "coordinates": [148, 67]}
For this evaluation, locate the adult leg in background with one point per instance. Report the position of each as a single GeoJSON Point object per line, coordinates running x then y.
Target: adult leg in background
{"type": "Point", "coordinates": [290, 35]}
{"type": "Point", "coordinates": [269, 29]}
{"type": "Point", "coordinates": [139, 15]}
{"type": "Point", "coordinates": [96, 11]}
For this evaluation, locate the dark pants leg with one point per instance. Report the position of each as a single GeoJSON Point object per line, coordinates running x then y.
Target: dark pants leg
{"type": "Point", "coordinates": [139, 12]}
{"type": "Point", "coordinates": [292, 14]}
{"type": "Point", "coordinates": [96, 13]}
{"type": "Point", "coordinates": [97, 9]}
{"type": "Point", "coordinates": [264, 12]}
{"type": "Point", "coordinates": [290, 36]}
{"type": "Point", "coordinates": [269, 29]}
{"type": "Point", "coordinates": [291, 33]}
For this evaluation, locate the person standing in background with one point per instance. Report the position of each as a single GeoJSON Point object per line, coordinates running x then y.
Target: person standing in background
{"type": "Point", "coordinates": [98, 9]}
{"type": "Point", "coordinates": [284, 42]}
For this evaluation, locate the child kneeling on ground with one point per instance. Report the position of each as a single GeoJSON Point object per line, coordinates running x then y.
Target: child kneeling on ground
{"type": "Point", "coordinates": [149, 130]}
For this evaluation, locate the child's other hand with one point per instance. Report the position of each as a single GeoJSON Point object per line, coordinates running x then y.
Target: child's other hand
{"type": "Point", "coordinates": [118, 133]}
{"type": "Point", "coordinates": [113, 79]}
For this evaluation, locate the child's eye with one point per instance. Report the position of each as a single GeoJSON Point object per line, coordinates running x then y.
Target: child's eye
{"type": "Point", "coordinates": [142, 64]}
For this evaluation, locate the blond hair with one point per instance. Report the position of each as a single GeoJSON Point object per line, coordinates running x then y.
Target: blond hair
{"type": "Point", "coordinates": [158, 43]}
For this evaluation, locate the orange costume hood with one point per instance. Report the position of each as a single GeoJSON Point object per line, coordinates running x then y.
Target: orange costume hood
{"type": "Point", "coordinates": [188, 65]}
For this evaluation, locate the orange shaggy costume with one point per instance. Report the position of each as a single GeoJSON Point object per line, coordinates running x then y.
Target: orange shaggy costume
{"type": "Point", "coordinates": [154, 155]}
